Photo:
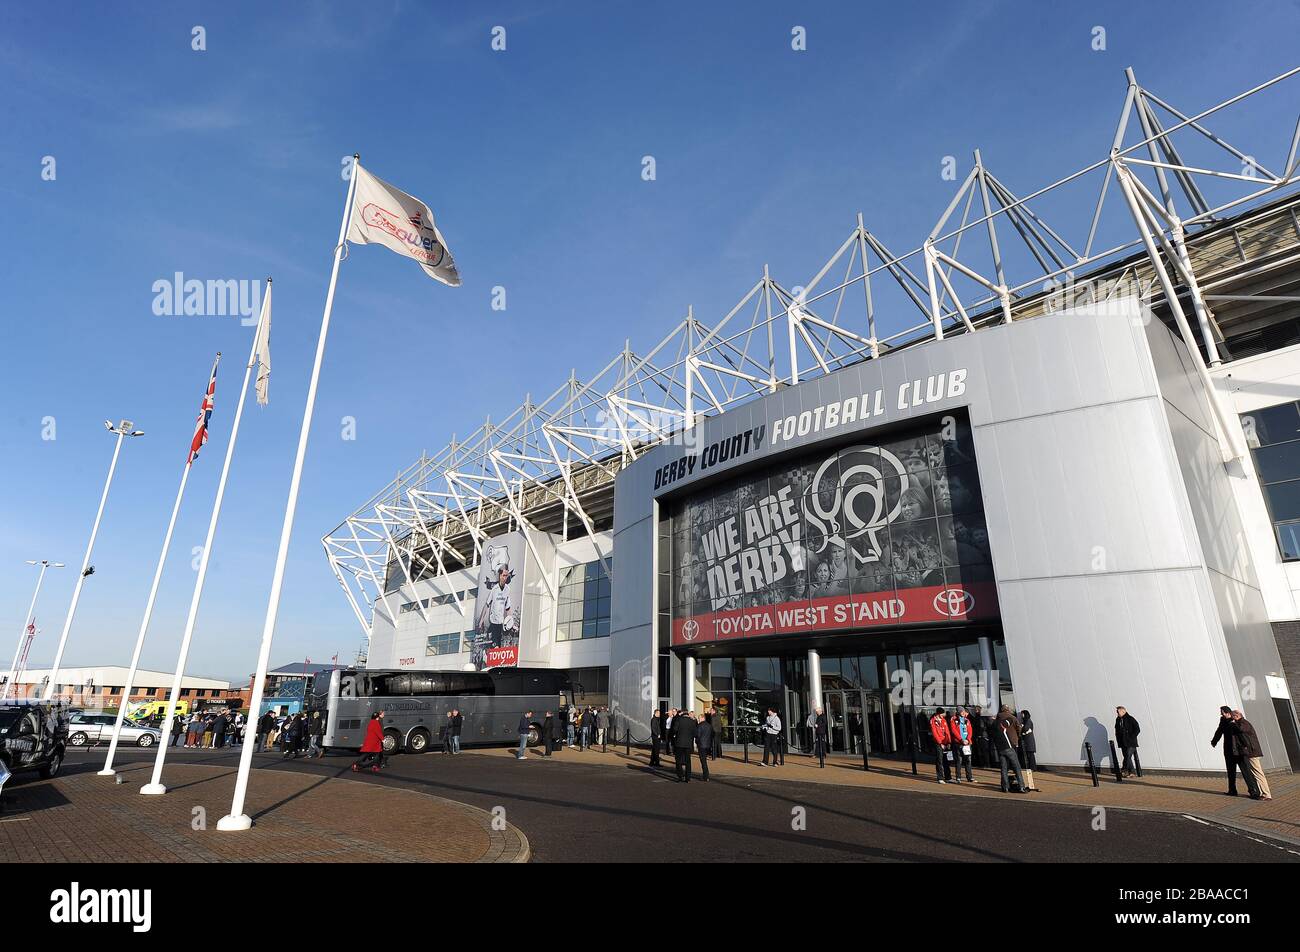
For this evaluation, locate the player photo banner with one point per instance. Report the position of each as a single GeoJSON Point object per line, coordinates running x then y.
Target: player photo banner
{"type": "Point", "coordinates": [499, 604]}
{"type": "Point", "coordinates": [868, 535]}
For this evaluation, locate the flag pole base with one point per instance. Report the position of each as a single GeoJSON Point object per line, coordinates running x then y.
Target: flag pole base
{"type": "Point", "coordinates": [241, 822]}
{"type": "Point", "coordinates": [153, 789]}
{"type": "Point", "coordinates": [106, 772]}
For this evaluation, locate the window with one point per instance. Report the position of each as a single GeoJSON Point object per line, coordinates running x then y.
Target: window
{"type": "Point", "coordinates": [151, 692]}
{"type": "Point", "coordinates": [185, 692]}
{"type": "Point", "coordinates": [443, 644]}
{"type": "Point", "coordinates": [1273, 435]}
{"type": "Point", "coordinates": [582, 608]}
{"type": "Point", "coordinates": [201, 692]}
{"type": "Point", "coordinates": [433, 602]}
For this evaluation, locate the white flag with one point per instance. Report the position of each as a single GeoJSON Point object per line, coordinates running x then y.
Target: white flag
{"type": "Point", "coordinates": [388, 216]}
{"type": "Point", "coordinates": [263, 351]}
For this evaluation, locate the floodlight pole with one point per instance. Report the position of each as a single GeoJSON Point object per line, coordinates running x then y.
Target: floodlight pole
{"type": "Point", "coordinates": [122, 429]}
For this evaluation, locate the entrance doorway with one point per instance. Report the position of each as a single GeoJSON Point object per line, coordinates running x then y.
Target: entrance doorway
{"type": "Point", "coordinates": [857, 717]}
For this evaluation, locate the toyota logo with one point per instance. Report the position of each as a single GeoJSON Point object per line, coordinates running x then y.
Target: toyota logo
{"type": "Point", "coordinates": [954, 602]}
{"type": "Point", "coordinates": [690, 629]}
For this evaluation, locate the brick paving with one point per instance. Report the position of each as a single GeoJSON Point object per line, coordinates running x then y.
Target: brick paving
{"type": "Point", "coordinates": [1199, 796]}
{"type": "Point", "coordinates": [298, 817]}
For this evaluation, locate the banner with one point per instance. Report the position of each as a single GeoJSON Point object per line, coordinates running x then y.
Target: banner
{"type": "Point", "coordinates": [860, 537]}
{"type": "Point", "coordinates": [499, 603]}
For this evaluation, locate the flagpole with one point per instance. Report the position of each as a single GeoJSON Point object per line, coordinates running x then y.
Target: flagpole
{"type": "Point", "coordinates": [237, 819]}
{"type": "Point", "coordinates": [108, 770]}
{"type": "Point", "coordinates": [155, 785]}
{"type": "Point", "coordinates": [122, 429]}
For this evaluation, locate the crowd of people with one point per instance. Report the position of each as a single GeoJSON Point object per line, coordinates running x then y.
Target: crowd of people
{"type": "Point", "coordinates": [210, 729]}
{"type": "Point", "coordinates": [578, 728]}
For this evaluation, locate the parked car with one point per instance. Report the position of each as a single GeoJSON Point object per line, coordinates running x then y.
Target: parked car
{"type": "Point", "coordinates": [32, 736]}
{"type": "Point", "coordinates": [86, 730]}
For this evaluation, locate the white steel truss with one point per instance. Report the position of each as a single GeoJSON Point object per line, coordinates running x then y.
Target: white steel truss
{"type": "Point", "coordinates": [992, 257]}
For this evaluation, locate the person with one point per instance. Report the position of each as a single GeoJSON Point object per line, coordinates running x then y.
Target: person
{"type": "Point", "coordinates": [556, 738]}
{"type": "Point", "coordinates": [444, 734]}
{"type": "Point", "coordinates": [772, 739]}
{"type": "Point", "coordinates": [525, 725]}
{"type": "Point", "coordinates": [1252, 757]}
{"type": "Point", "coordinates": [315, 729]}
{"type": "Point", "coordinates": [192, 730]}
{"type": "Point", "coordinates": [548, 728]}
{"type": "Point", "coordinates": [265, 724]}
{"type": "Point", "coordinates": [1028, 749]}
{"type": "Point", "coordinates": [1126, 737]}
{"type": "Point", "coordinates": [981, 748]}
{"type": "Point", "coordinates": [962, 733]}
{"type": "Point", "coordinates": [602, 725]}
{"type": "Point", "coordinates": [178, 729]}
{"type": "Point", "coordinates": [1006, 737]}
{"type": "Point", "coordinates": [820, 732]}
{"type": "Point", "coordinates": [942, 746]}
{"type": "Point", "coordinates": [209, 725]}
{"type": "Point", "coordinates": [683, 741]}
{"type": "Point", "coordinates": [1225, 732]}
{"type": "Point", "coordinates": [290, 736]}
{"type": "Point", "coordinates": [714, 717]}
{"type": "Point", "coordinates": [704, 743]}
{"type": "Point", "coordinates": [457, 724]}
{"type": "Point", "coordinates": [219, 728]}
{"type": "Point", "coordinates": [372, 747]}
{"type": "Point", "coordinates": [570, 733]}
{"type": "Point", "coordinates": [656, 735]}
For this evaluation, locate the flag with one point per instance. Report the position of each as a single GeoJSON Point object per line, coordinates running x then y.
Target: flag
{"type": "Point", "coordinates": [388, 216]}
{"type": "Point", "coordinates": [263, 351]}
{"type": "Point", "coordinates": [205, 415]}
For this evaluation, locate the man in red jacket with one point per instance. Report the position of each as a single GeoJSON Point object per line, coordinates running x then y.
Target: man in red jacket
{"type": "Point", "coordinates": [942, 744]}
{"type": "Point", "coordinates": [372, 748]}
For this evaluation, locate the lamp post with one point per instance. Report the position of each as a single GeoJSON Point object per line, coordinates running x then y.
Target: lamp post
{"type": "Point", "coordinates": [27, 621]}
{"type": "Point", "coordinates": [122, 429]}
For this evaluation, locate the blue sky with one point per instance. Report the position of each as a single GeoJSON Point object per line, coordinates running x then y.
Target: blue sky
{"type": "Point", "coordinates": [225, 164]}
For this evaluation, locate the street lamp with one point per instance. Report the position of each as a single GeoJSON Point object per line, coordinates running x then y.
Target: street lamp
{"type": "Point", "coordinates": [122, 429]}
{"type": "Point", "coordinates": [28, 621]}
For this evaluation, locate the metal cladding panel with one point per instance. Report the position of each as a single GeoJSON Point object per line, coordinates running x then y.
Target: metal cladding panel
{"type": "Point", "coordinates": [1100, 574]}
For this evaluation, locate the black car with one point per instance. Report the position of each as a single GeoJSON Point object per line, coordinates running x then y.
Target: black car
{"type": "Point", "coordinates": [33, 735]}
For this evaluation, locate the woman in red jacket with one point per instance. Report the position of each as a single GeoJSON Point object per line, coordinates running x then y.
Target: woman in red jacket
{"type": "Point", "coordinates": [372, 749]}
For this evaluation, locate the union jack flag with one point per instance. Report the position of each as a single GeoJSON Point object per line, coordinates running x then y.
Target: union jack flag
{"type": "Point", "coordinates": [205, 415]}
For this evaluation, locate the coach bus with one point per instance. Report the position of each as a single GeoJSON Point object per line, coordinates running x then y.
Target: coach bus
{"type": "Point", "coordinates": [416, 704]}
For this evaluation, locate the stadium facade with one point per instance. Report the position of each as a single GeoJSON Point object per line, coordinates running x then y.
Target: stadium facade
{"type": "Point", "coordinates": [1073, 483]}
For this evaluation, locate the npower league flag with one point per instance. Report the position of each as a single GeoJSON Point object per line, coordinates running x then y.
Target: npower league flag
{"type": "Point", "coordinates": [387, 216]}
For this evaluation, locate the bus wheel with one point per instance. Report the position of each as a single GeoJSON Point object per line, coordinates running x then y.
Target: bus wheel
{"type": "Point", "coordinates": [534, 735]}
{"type": "Point", "coordinates": [392, 742]}
{"type": "Point", "coordinates": [417, 742]}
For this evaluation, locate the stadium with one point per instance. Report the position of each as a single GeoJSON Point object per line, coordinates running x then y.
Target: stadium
{"type": "Point", "coordinates": [1041, 459]}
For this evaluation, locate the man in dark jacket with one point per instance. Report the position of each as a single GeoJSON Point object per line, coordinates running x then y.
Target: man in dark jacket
{"type": "Point", "coordinates": [548, 731]}
{"type": "Point", "coordinates": [1126, 737]}
{"type": "Point", "coordinates": [1224, 732]}
{"type": "Point", "coordinates": [1252, 757]}
{"type": "Point", "coordinates": [525, 726]}
{"type": "Point", "coordinates": [683, 740]}
{"type": "Point", "coordinates": [265, 724]}
{"type": "Point", "coordinates": [219, 731]}
{"type": "Point", "coordinates": [656, 736]}
{"type": "Point", "coordinates": [457, 724]}
{"type": "Point", "coordinates": [178, 729]}
{"type": "Point", "coordinates": [704, 743]}
{"type": "Point", "coordinates": [1006, 738]}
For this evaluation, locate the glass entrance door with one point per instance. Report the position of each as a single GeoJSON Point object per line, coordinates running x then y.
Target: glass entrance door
{"type": "Point", "coordinates": [853, 729]}
{"type": "Point", "coordinates": [877, 724]}
{"type": "Point", "coordinates": [835, 705]}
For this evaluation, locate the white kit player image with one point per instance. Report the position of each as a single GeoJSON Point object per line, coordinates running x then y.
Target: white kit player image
{"type": "Point", "coordinates": [497, 616]}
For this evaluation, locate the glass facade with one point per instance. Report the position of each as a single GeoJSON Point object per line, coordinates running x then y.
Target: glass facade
{"type": "Point", "coordinates": [881, 700]}
{"type": "Point", "coordinates": [1273, 435]}
{"type": "Point", "coordinates": [582, 606]}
